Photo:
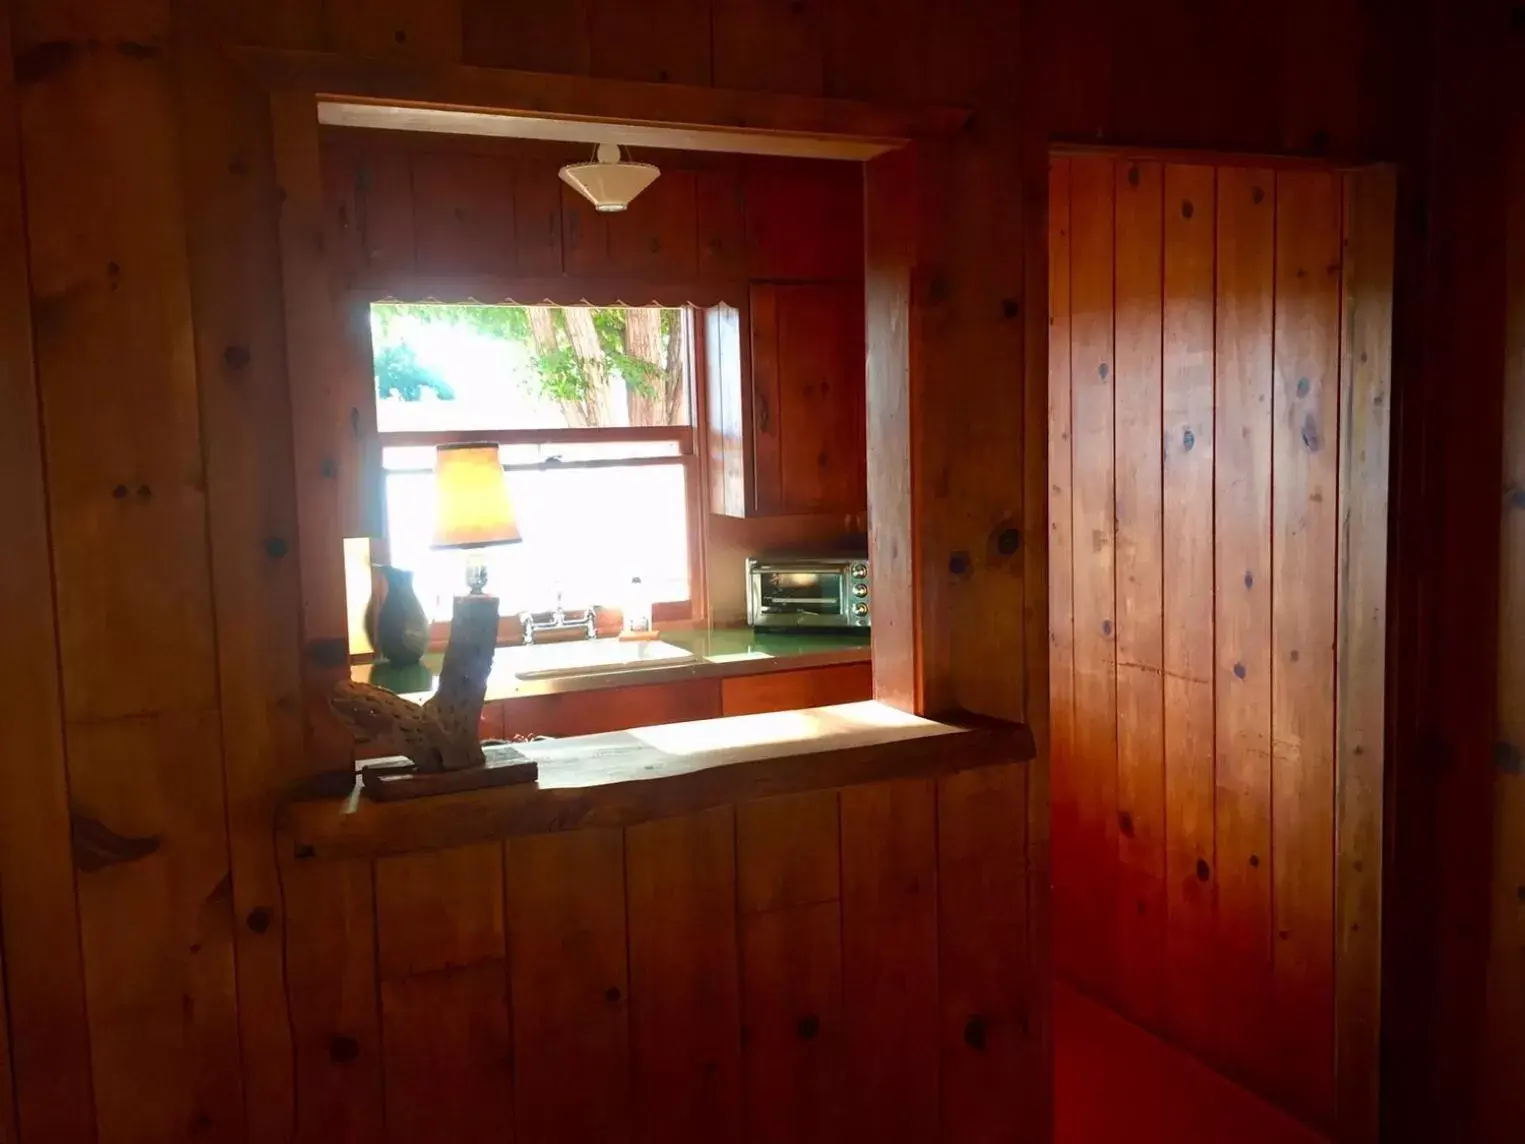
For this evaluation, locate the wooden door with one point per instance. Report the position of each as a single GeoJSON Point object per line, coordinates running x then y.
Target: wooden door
{"type": "Point", "coordinates": [1220, 360]}
{"type": "Point", "coordinates": [808, 398]}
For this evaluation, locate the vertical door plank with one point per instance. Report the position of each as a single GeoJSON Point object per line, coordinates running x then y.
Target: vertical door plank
{"type": "Point", "coordinates": [331, 967]}
{"type": "Point", "coordinates": [1366, 337]}
{"type": "Point", "coordinates": [1242, 523]}
{"type": "Point", "coordinates": [463, 213]}
{"type": "Point", "coordinates": [1305, 488]}
{"type": "Point", "coordinates": [1140, 590]}
{"type": "Point", "coordinates": [685, 1008]}
{"type": "Point", "coordinates": [397, 29]}
{"type": "Point", "coordinates": [1190, 855]}
{"type": "Point", "coordinates": [251, 513]}
{"type": "Point", "coordinates": [529, 35]}
{"type": "Point", "coordinates": [1069, 886]}
{"type": "Point", "coordinates": [819, 412]}
{"type": "Point", "coordinates": [157, 929]}
{"type": "Point", "coordinates": [657, 237]}
{"type": "Point", "coordinates": [767, 417]}
{"type": "Point", "coordinates": [569, 981]}
{"type": "Point", "coordinates": [889, 959]}
{"type": "Point", "coordinates": [995, 1079]}
{"type": "Point", "coordinates": [584, 235]}
{"type": "Point", "coordinates": [1088, 950]}
{"type": "Point", "coordinates": [384, 209]}
{"type": "Point", "coordinates": [444, 996]}
{"type": "Point", "coordinates": [768, 45]}
{"type": "Point", "coordinates": [341, 189]}
{"type": "Point", "coordinates": [666, 43]}
{"type": "Point", "coordinates": [788, 887]}
{"type": "Point", "coordinates": [722, 223]}
{"type": "Point", "coordinates": [46, 1000]}
{"type": "Point", "coordinates": [537, 218]}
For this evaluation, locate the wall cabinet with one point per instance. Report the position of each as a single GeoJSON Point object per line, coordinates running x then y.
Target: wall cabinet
{"type": "Point", "coordinates": [787, 433]}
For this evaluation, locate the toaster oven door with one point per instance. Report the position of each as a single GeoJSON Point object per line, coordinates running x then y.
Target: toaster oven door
{"type": "Point", "coordinates": [785, 597]}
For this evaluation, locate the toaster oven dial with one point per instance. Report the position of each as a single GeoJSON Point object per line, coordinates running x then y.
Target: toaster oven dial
{"type": "Point", "coordinates": [860, 589]}
{"type": "Point", "coordinates": [860, 609]}
{"type": "Point", "coordinates": [858, 571]}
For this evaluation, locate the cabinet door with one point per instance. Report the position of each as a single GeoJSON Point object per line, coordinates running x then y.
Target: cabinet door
{"type": "Point", "coordinates": [790, 690]}
{"type": "Point", "coordinates": [611, 709]}
{"type": "Point", "coordinates": [808, 383]}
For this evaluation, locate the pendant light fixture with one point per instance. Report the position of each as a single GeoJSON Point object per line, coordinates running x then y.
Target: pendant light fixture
{"type": "Point", "coordinates": [609, 182]}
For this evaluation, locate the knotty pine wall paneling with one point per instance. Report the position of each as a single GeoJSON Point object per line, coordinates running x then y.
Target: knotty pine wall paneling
{"type": "Point", "coordinates": [49, 1057]}
{"type": "Point", "coordinates": [1230, 340]}
{"type": "Point", "coordinates": [969, 271]}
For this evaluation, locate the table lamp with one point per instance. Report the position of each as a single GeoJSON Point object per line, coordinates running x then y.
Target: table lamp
{"type": "Point", "coordinates": [472, 510]}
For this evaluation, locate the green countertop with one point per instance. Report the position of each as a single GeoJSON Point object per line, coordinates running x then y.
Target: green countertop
{"type": "Point", "coordinates": [713, 652]}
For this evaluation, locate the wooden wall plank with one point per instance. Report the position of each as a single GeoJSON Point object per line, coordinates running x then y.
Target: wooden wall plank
{"type": "Point", "coordinates": [326, 456]}
{"type": "Point", "coordinates": [804, 219]}
{"type": "Point", "coordinates": [9, 1132]}
{"type": "Point", "coordinates": [994, 1078]}
{"type": "Point", "coordinates": [46, 1000]}
{"type": "Point", "coordinates": [1140, 574]}
{"type": "Point", "coordinates": [889, 959]}
{"type": "Point", "coordinates": [657, 237]}
{"type": "Point", "coordinates": [1086, 943]}
{"type": "Point", "coordinates": [767, 450]}
{"type": "Point", "coordinates": [1504, 1092]}
{"type": "Point", "coordinates": [788, 887]}
{"type": "Point", "coordinates": [1069, 884]}
{"type": "Point", "coordinates": [892, 345]}
{"type": "Point", "coordinates": [251, 512]}
{"type": "Point", "coordinates": [685, 1008]}
{"type": "Point", "coordinates": [1366, 339]}
{"type": "Point", "coordinates": [330, 910]}
{"type": "Point", "coordinates": [768, 45]}
{"type": "Point", "coordinates": [666, 43]}
{"type": "Point", "coordinates": [384, 208]}
{"type": "Point", "coordinates": [720, 208]}
{"type": "Point", "coordinates": [1188, 437]}
{"type": "Point", "coordinates": [105, 221]}
{"type": "Point", "coordinates": [444, 996]}
{"type": "Point", "coordinates": [1242, 524]}
{"type": "Point", "coordinates": [537, 218]}
{"type": "Point", "coordinates": [1305, 487]}
{"type": "Point", "coordinates": [396, 29]}
{"type": "Point", "coordinates": [569, 987]}
{"type": "Point", "coordinates": [528, 35]}
{"type": "Point", "coordinates": [448, 1056]}
{"type": "Point", "coordinates": [157, 930]}
{"type": "Point", "coordinates": [463, 213]}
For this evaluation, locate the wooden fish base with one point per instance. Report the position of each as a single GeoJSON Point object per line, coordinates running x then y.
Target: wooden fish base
{"type": "Point", "coordinates": [397, 779]}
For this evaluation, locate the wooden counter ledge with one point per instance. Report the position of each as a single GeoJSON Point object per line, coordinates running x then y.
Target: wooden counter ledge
{"type": "Point", "coordinates": [625, 777]}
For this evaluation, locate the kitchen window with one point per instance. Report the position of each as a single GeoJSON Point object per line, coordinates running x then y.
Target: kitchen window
{"type": "Point", "coordinates": [592, 408]}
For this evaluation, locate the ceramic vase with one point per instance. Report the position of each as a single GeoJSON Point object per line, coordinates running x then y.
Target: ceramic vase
{"type": "Point", "coordinates": [394, 619]}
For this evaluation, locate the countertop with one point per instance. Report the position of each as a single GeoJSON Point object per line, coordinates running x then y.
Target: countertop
{"type": "Point", "coordinates": [625, 777]}
{"type": "Point", "coordinates": [716, 651]}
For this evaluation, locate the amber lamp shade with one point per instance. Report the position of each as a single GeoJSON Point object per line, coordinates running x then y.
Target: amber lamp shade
{"type": "Point", "coordinates": [471, 504]}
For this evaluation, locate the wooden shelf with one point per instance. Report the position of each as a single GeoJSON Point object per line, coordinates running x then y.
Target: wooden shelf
{"type": "Point", "coordinates": [626, 777]}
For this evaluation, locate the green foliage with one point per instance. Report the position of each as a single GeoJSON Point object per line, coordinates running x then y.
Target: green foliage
{"type": "Point", "coordinates": [399, 372]}
{"type": "Point", "coordinates": [564, 376]}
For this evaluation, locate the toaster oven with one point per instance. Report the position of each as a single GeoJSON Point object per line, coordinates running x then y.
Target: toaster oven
{"type": "Point", "coordinates": [801, 592]}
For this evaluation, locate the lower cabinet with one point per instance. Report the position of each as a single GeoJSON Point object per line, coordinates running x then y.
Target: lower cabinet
{"type": "Point", "coordinates": [616, 708]}
{"type": "Point", "coordinates": [787, 690]}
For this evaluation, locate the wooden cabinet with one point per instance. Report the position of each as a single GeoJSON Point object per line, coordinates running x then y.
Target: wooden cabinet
{"type": "Point", "coordinates": [790, 430]}
{"type": "Point", "coordinates": [787, 690]}
{"type": "Point", "coordinates": [611, 709]}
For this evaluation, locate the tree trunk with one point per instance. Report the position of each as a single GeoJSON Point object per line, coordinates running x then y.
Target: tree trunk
{"type": "Point", "coordinates": [675, 377]}
{"type": "Point", "coordinates": [643, 341]}
{"type": "Point", "coordinates": [603, 405]}
{"type": "Point", "coordinates": [543, 330]}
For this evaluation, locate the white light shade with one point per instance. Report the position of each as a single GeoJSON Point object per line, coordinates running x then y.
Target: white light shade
{"type": "Point", "coordinates": [471, 505]}
{"type": "Point", "coordinates": [609, 183]}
